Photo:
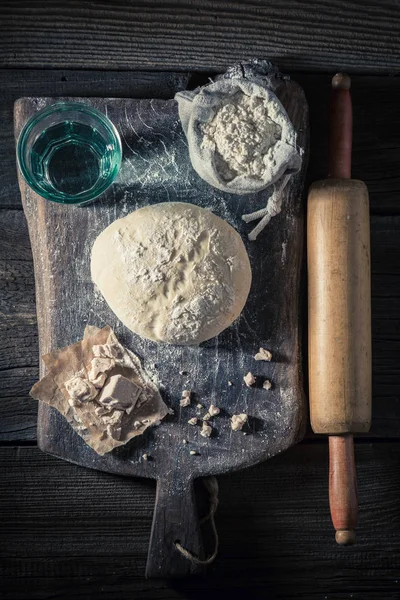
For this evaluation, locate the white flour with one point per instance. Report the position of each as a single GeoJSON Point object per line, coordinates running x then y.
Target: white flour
{"type": "Point", "coordinates": [243, 133]}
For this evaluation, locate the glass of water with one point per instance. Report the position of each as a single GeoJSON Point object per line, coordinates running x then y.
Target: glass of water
{"type": "Point", "coordinates": [69, 153]}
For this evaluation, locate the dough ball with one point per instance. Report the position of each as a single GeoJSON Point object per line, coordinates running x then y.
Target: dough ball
{"type": "Point", "coordinates": [172, 272]}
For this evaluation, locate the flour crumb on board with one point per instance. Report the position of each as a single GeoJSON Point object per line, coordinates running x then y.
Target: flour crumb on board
{"type": "Point", "coordinates": [206, 430]}
{"type": "Point", "coordinates": [145, 456]}
{"type": "Point", "coordinates": [230, 383]}
{"type": "Point", "coordinates": [263, 354]}
{"type": "Point", "coordinates": [249, 379]}
{"type": "Point", "coordinates": [237, 421]}
{"type": "Point", "coordinates": [193, 421]}
{"type": "Point", "coordinates": [214, 410]}
{"type": "Point", "coordinates": [185, 400]}
{"type": "Point", "coordinates": [267, 385]}
{"type": "Point", "coordinates": [193, 453]}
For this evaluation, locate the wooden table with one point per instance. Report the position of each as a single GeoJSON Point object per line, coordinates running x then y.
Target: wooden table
{"type": "Point", "coordinates": [68, 532]}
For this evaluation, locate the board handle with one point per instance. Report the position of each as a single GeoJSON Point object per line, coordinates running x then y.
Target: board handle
{"type": "Point", "coordinates": [175, 520]}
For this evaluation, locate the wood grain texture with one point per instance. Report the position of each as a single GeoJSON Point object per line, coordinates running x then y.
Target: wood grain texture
{"type": "Point", "coordinates": [20, 345]}
{"type": "Point", "coordinates": [205, 35]}
{"type": "Point", "coordinates": [376, 140]}
{"type": "Point", "coordinates": [154, 143]}
{"type": "Point", "coordinates": [18, 330]}
{"type": "Point", "coordinates": [339, 306]}
{"type": "Point", "coordinates": [77, 533]}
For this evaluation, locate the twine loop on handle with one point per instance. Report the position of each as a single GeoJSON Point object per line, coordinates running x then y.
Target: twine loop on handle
{"type": "Point", "coordinates": [211, 484]}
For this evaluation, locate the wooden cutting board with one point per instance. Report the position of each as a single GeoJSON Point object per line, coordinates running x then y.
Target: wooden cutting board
{"type": "Point", "coordinates": [156, 168]}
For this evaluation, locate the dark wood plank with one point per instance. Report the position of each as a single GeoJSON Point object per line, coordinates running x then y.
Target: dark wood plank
{"type": "Point", "coordinates": [19, 367]}
{"type": "Point", "coordinates": [17, 295]}
{"type": "Point", "coordinates": [73, 532]}
{"type": "Point", "coordinates": [201, 35]}
{"type": "Point", "coordinates": [376, 148]}
{"type": "Point", "coordinates": [18, 415]}
{"type": "Point", "coordinates": [19, 346]}
{"type": "Point", "coordinates": [17, 83]}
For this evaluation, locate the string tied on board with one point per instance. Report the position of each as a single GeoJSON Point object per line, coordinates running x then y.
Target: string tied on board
{"type": "Point", "coordinates": [211, 484]}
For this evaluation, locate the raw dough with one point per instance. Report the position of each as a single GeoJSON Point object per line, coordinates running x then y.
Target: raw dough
{"type": "Point", "coordinates": [172, 272]}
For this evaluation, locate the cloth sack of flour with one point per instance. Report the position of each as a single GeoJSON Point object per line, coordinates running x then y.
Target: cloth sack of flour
{"type": "Point", "coordinates": [252, 143]}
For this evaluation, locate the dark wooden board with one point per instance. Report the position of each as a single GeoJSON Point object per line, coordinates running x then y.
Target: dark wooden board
{"type": "Point", "coordinates": [19, 349]}
{"type": "Point", "coordinates": [375, 156]}
{"type": "Point", "coordinates": [201, 35]}
{"type": "Point", "coordinates": [69, 532]}
{"type": "Point", "coordinates": [154, 141]}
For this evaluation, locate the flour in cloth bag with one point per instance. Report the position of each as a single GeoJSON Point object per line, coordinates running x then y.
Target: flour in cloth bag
{"type": "Point", "coordinates": [240, 137]}
{"type": "Point", "coordinates": [243, 133]}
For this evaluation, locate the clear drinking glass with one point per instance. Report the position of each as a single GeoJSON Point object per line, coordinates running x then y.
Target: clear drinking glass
{"type": "Point", "coordinates": [69, 153]}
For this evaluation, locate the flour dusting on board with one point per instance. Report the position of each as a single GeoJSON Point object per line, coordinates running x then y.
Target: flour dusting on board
{"type": "Point", "coordinates": [157, 169]}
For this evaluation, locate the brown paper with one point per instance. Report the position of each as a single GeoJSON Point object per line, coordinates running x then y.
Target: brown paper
{"type": "Point", "coordinates": [94, 426]}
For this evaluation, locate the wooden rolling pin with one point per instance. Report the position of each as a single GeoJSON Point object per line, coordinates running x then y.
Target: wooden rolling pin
{"type": "Point", "coordinates": [339, 312]}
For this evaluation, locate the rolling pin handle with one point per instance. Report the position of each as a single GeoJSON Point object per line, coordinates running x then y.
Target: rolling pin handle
{"type": "Point", "coordinates": [341, 128]}
{"type": "Point", "coordinates": [345, 537]}
{"type": "Point", "coordinates": [341, 81]}
{"type": "Point", "coordinates": [343, 488]}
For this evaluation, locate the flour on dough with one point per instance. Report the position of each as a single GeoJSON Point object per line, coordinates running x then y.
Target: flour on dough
{"type": "Point", "coordinates": [172, 272]}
